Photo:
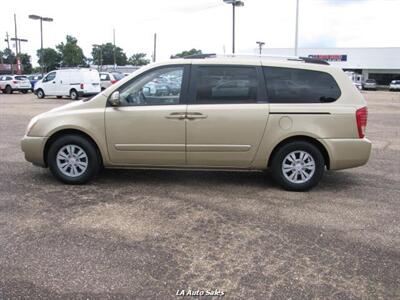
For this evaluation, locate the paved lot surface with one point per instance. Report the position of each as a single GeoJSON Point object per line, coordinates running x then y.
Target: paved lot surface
{"type": "Point", "coordinates": [146, 234]}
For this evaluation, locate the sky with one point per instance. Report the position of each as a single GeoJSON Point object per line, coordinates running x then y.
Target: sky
{"type": "Point", "coordinates": [203, 24]}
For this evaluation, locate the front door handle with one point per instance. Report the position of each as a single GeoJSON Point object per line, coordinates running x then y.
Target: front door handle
{"type": "Point", "coordinates": [177, 115]}
{"type": "Point", "coordinates": [195, 115]}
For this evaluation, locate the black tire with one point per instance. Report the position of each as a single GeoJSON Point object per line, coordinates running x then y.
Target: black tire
{"type": "Point", "coordinates": [8, 89]}
{"type": "Point", "coordinates": [40, 94]}
{"type": "Point", "coordinates": [59, 97]}
{"type": "Point", "coordinates": [288, 148]}
{"type": "Point", "coordinates": [93, 159]}
{"type": "Point", "coordinates": [74, 94]}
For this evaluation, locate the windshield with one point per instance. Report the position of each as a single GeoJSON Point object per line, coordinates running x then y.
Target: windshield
{"type": "Point", "coordinates": [396, 81]}
{"type": "Point", "coordinates": [21, 77]}
{"type": "Point", "coordinates": [118, 76]}
{"type": "Point", "coordinates": [370, 80]}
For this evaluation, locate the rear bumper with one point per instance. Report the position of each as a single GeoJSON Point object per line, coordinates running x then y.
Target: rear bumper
{"type": "Point", "coordinates": [347, 153]}
{"type": "Point", "coordinates": [33, 149]}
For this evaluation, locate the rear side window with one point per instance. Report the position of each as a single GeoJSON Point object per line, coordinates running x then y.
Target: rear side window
{"type": "Point", "coordinates": [226, 85]}
{"type": "Point", "coordinates": [104, 77]}
{"type": "Point", "coordinates": [289, 85]}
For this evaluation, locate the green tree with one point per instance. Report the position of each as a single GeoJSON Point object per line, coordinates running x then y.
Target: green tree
{"type": "Point", "coordinates": [51, 59]}
{"type": "Point", "coordinates": [107, 55]}
{"type": "Point", "coordinates": [139, 59]}
{"type": "Point", "coordinates": [8, 56]}
{"type": "Point", "coordinates": [71, 53]}
{"type": "Point", "coordinates": [26, 62]}
{"type": "Point", "coordinates": [187, 53]}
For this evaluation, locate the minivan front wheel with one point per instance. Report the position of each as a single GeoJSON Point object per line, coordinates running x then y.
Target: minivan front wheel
{"type": "Point", "coordinates": [73, 159]}
{"type": "Point", "coordinates": [298, 166]}
{"type": "Point", "coordinates": [40, 94]}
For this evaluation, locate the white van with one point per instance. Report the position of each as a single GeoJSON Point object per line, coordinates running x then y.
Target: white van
{"type": "Point", "coordinates": [69, 82]}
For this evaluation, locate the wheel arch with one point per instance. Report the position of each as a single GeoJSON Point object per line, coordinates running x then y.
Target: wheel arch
{"type": "Point", "coordinates": [55, 135]}
{"type": "Point", "coordinates": [306, 138]}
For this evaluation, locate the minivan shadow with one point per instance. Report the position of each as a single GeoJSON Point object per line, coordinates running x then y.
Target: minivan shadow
{"type": "Point", "coordinates": [332, 181]}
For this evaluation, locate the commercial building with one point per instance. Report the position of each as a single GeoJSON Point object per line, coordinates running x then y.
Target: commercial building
{"type": "Point", "coordinates": [381, 64]}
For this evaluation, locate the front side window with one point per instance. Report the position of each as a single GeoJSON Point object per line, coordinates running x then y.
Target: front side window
{"type": "Point", "coordinates": [289, 85]}
{"type": "Point", "coordinates": [158, 87]}
{"type": "Point", "coordinates": [226, 85]}
{"type": "Point", "coordinates": [50, 76]}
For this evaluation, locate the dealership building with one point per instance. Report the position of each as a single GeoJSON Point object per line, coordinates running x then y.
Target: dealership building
{"type": "Point", "coordinates": [381, 64]}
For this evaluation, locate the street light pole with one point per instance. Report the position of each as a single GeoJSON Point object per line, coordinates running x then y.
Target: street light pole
{"type": "Point", "coordinates": [36, 17]}
{"type": "Point", "coordinates": [234, 4]}
{"type": "Point", "coordinates": [297, 28]}
{"type": "Point", "coordinates": [260, 45]}
{"type": "Point", "coordinates": [115, 58]}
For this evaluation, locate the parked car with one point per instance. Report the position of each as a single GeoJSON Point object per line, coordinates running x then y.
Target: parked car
{"type": "Point", "coordinates": [12, 83]}
{"type": "Point", "coordinates": [107, 79]}
{"type": "Point", "coordinates": [295, 117]}
{"type": "Point", "coordinates": [369, 84]}
{"type": "Point", "coordinates": [33, 79]}
{"type": "Point", "coordinates": [394, 85]}
{"type": "Point", "coordinates": [74, 83]}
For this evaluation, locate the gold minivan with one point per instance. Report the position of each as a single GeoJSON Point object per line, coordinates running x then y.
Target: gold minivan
{"type": "Point", "coordinates": [295, 116]}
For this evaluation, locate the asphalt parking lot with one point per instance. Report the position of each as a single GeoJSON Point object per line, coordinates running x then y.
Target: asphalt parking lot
{"type": "Point", "coordinates": [146, 234]}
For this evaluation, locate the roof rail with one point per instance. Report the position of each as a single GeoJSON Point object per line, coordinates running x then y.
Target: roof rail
{"type": "Point", "coordinates": [256, 56]}
{"type": "Point", "coordinates": [314, 60]}
{"type": "Point", "coordinates": [200, 56]}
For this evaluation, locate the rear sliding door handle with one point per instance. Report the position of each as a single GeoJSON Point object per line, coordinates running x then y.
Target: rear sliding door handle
{"type": "Point", "coordinates": [177, 115]}
{"type": "Point", "coordinates": [195, 115]}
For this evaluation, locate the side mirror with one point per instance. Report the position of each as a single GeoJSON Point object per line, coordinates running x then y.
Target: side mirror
{"type": "Point", "coordinates": [146, 91]}
{"type": "Point", "coordinates": [114, 99]}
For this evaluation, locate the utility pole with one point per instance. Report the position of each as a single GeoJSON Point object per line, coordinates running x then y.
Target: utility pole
{"type": "Point", "coordinates": [19, 43]}
{"type": "Point", "coordinates": [7, 39]}
{"type": "Point", "coordinates": [155, 47]}
{"type": "Point", "coordinates": [297, 28]}
{"type": "Point", "coordinates": [16, 48]}
{"type": "Point", "coordinates": [16, 34]}
{"type": "Point", "coordinates": [115, 58]}
{"type": "Point", "coordinates": [260, 45]}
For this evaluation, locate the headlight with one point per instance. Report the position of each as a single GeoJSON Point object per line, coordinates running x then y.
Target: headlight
{"type": "Point", "coordinates": [31, 124]}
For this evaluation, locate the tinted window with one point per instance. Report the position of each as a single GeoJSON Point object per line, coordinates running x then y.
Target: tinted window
{"type": "Point", "coordinates": [118, 76]}
{"type": "Point", "coordinates": [158, 87]}
{"type": "Point", "coordinates": [288, 85]}
{"type": "Point", "coordinates": [21, 77]}
{"type": "Point", "coordinates": [223, 85]}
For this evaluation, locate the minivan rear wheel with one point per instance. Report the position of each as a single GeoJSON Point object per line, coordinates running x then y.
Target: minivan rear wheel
{"type": "Point", "coordinates": [73, 159]}
{"type": "Point", "coordinates": [74, 95]}
{"type": "Point", "coordinates": [298, 166]}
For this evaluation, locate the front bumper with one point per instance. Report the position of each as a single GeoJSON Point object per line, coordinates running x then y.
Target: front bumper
{"type": "Point", "coordinates": [347, 153]}
{"type": "Point", "coordinates": [33, 148]}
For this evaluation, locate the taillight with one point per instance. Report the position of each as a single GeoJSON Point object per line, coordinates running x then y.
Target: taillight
{"type": "Point", "coordinates": [361, 116]}
{"type": "Point", "coordinates": [113, 81]}
{"type": "Point", "coordinates": [82, 86]}
{"type": "Point", "coordinates": [15, 81]}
